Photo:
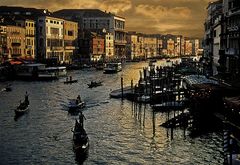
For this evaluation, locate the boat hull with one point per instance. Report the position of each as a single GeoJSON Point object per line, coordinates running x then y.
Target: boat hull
{"type": "Point", "coordinates": [70, 82]}
{"type": "Point", "coordinates": [19, 112]}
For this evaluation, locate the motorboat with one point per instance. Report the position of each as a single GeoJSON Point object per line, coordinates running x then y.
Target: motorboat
{"type": "Point", "coordinates": [113, 67]}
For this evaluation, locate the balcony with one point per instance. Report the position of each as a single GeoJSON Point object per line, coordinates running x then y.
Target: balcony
{"type": "Point", "coordinates": [120, 42]}
{"type": "Point", "coordinates": [16, 44]}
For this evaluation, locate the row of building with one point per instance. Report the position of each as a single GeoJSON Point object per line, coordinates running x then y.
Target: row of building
{"type": "Point", "coordinates": [222, 38]}
{"type": "Point", "coordinates": [155, 45]}
{"type": "Point", "coordinates": [81, 35]}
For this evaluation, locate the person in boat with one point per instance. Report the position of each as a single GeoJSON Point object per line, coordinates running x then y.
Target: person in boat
{"type": "Point", "coordinates": [81, 119]}
{"type": "Point", "coordinates": [70, 78]}
{"type": "Point", "coordinates": [67, 79]}
{"type": "Point", "coordinates": [79, 99]}
{"type": "Point", "coordinates": [26, 101]}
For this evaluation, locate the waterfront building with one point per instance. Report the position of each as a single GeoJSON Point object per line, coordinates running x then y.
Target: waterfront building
{"type": "Point", "coordinates": [70, 37]}
{"type": "Point", "coordinates": [159, 46]}
{"type": "Point", "coordinates": [30, 38]}
{"type": "Point", "coordinates": [170, 47]}
{"type": "Point", "coordinates": [109, 46]}
{"type": "Point", "coordinates": [96, 21]}
{"type": "Point", "coordinates": [230, 39]}
{"type": "Point", "coordinates": [188, 47]}
{"type": "Point", "coordinates": [214, 10]}
{"type": "Point", "coordinates": [91, 47]}
{"type": "Point", "coordinates": [133, 45]}
{"type": "Point", "coordinates": [3, 43]}
{"type": "Point", "coordinates": [50, 39]}
{"type": "Point", "coordinates": [178, 46]}
{"type": "Point", "coordinates": [15, 41]}
{"type": "Point", "coordinates": [150, 46]}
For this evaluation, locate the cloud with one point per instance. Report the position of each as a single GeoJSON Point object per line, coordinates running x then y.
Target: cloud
{"type": "Point", "coordinates": [149, 16]}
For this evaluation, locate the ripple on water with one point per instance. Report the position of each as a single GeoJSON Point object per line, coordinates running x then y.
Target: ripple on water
{"type": "Point", "coordinates": [117, 135]}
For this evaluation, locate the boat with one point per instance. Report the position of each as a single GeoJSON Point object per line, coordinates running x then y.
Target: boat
{"type": "Point", "coordinates": [171, 105]}
{"type": "Point", "coordinates": [60, 71]}
{"type": "Point", "coordinates": [22, 108]}
{"type": "Point", "coordinates": [80, 140]}
{"type": "Point", "coordinates": [74, 105]}
{"type": "Point", "coordinates": [94, 84]}
{"type": "Point", "coordinates": [113, 67]}
{"type": "Point", "coordinates": [99, 66]}
{"type": "Point", "coordinates": [70, 81]}
{"type": "Point", "coordinates": [8, 89]}
{"type": "Point", "coordinates": [47, 74]}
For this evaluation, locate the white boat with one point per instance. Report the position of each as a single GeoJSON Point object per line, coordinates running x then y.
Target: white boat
{"type": "Point", "coordinates": [29, 71]}
{"type": "Point", "coordinates": [60, 71]}
{"type": "Point", "coordinates": [47, 74]}
{"type": "Point", "coordinates": [113, 67]}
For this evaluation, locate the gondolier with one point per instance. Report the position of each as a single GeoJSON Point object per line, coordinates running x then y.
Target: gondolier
{"type": "Point", "coordinates": [26, 101]}
{"type": "Point", "coordinates": [81, 119]}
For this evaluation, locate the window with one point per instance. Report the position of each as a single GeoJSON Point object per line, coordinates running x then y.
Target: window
{"type": "Point", "coordinates": [214, 33]}
{"type": "Point", "coordinates": [54, 31]}
{"type": "Point", "coordinates": [70, 33]}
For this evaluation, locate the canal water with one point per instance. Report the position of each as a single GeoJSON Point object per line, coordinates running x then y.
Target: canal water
{"type": "Point", "coordinates": [117, 134]}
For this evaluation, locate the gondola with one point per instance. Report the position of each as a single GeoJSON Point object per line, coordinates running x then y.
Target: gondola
{"type": "Point", "coordinates": [8, 89]}
{"type": "Point", "coordinates": [74, 106]}
{"type": "Point", "coordinates": [80, 140]}
{"type": "Point", "coordinates": [22, 108]}
{"type": "Point", "coordinates": [94, 84]}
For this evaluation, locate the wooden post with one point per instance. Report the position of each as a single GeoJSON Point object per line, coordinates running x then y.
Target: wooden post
{"type": "Point", "coordinates": [132, 86]}
{"type": "Point", "coordinates": [122, 86]}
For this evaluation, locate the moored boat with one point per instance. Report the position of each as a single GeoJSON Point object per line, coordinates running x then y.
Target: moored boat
{"type": "Point", "coordinates": [112, 67]}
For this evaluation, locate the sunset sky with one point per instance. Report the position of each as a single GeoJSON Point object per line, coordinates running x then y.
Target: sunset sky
{"type": "Point", "coordinates": [184, 17]}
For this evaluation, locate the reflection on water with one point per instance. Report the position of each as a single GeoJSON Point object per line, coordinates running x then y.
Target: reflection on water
{"type": "Point", "coordinates": [119, 133]}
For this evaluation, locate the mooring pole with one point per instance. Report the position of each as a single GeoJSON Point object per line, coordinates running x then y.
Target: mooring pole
{"type": "Point", "coordinates": [122, 86]}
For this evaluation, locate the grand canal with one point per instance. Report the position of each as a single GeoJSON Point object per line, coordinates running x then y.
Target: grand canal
{"type": "Point", "coordinates": [117, 135]}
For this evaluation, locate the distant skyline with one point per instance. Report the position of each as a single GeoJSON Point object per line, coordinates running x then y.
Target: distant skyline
{"type": "Point", "coordinates": [184, 17]}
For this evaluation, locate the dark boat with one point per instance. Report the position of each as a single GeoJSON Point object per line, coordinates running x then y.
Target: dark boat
{"type": "Point", "coordinates": [74, 105]}
{"type": "Point", "coordinates": [80, 140]}
{"type": "Point", "coordinates": [99, 66]}
{"type": "Point", "coordinates": [70, 82]}
{"type": "Point", "coordinates": [167, 106]}
{"type": "Point", "coordinates": [22, 108]}
{"type": "Point", "coordinates": [94, 84]}
{"type": "Point", "coordinates": [8, 89]}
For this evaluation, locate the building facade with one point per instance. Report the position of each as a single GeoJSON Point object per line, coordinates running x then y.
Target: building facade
{"type": "Point", "coordinates": [230, 41]}
{"type": "Point", "coordinates": [109, 46]}
{"type": "Point", "coordinates": [92, 47]}
{"type": "Point", "coordinates": [98, 21]}
{"type": "Point", "coordinates": [214, 10]}
{"type": "Point", "coordinates": [30, 37]}
{"type": "Point", "coordinates": [70, 39]}
{"type": "Point", "coordinates": [3, 44]}
{"type": "Point", "coordinates": [15, 41]}
{"type": "Point", "coordinates": [150, 46]}
{"type": "Point", "coordinates": [50, 39]}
